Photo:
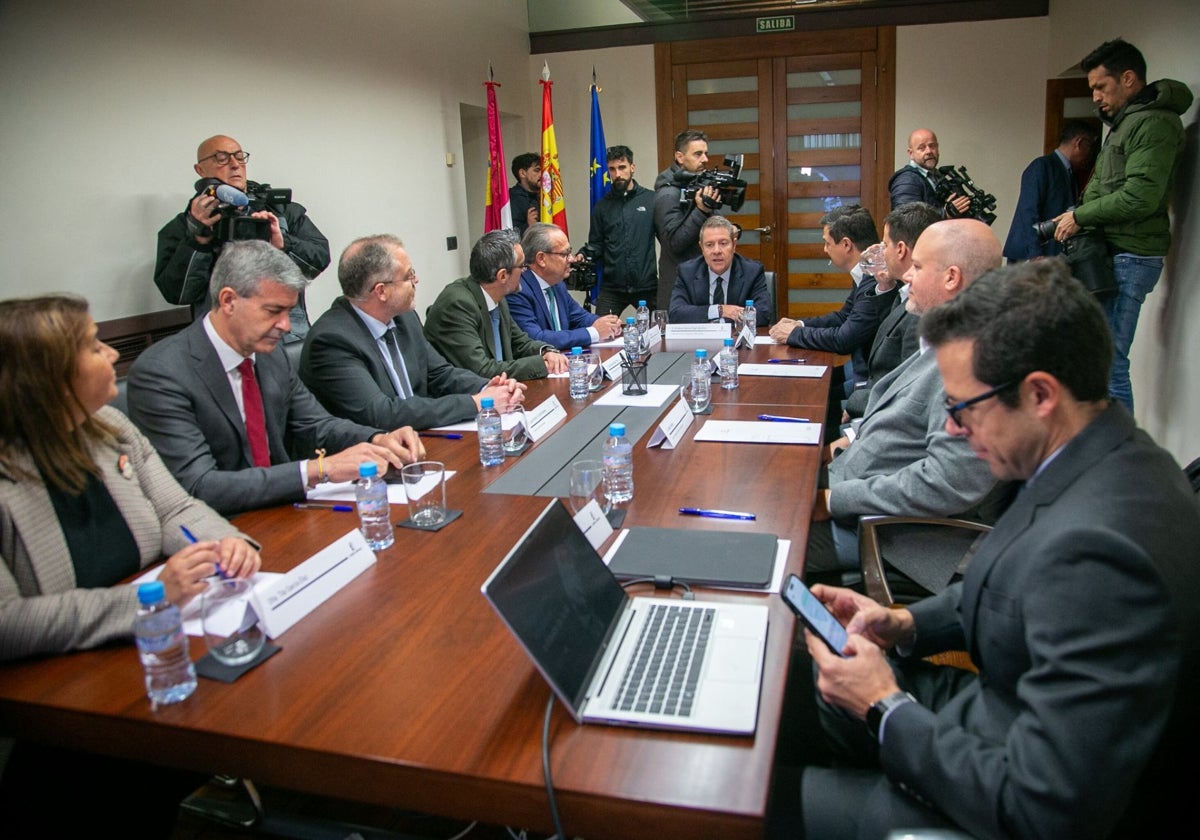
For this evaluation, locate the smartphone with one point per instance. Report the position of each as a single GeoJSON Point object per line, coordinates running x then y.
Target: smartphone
{"type": "Point", "coordinates": [814, 614]}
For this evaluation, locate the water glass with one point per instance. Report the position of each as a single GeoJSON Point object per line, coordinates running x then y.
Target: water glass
{"type": "Point", "coordinates": [425, 487]}
{"type": "Point", "coordinates": [660, 321]}
{"type": "Point", "coordinates": [595, 370]}
{"type": "Point", "coordinates": [696, 395]}
{"type": "Point", "coordinates": [587, 484]}
{"type": "Point", "coordinates": [514, 430]}
{"type": "Point", "coordinates": [231, 629]}
{"type": "Point", "coordinates": [872, 262]}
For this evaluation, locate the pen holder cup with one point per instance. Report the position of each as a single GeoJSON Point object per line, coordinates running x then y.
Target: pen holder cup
{"type": "Point", "coordinates": [633, 378]}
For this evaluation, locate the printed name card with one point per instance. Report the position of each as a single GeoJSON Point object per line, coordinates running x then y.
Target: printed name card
{"type": "Point", "coordinates": [310, 584]}
{"type": "Point", "coordinates": [594, 524]}
{"type": "Point", "coordinates": [700, 332]}
{"type": "Point", "coordinates": [652, 335]}
{"type": "Point", "coordinates": [548, 414]}
{"type": "Point", "coordinates": [612, 367]}
{"type": "Point", "coordinates": [746, 336]}
{"type": "Point", "coordinates": [783, 369]}
{"type": "Point", "coordinates": [670, 431]}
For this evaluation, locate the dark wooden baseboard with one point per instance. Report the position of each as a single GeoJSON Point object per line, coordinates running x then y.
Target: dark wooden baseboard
{"type": "Point", "coordinates": [131, 335]}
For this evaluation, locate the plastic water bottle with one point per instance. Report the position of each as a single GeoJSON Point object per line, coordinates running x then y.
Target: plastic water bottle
{"type": "Point", "coordinates": [374, 510]}
{"type": "Point", "coordinates": [162, 647]}
{"type": "Point", "coordinates": [633, 341]}
{"type": "Point", "coordinates": [618, 465]}
{"type": "Point", "coordinates": [491, 435]}
{"type": "Point", "coordinates": [750, 317]}
{"type": "Point", "coordinates": [578, 368]}
{"type": "Point", "coordinates": [701, 374]}
{"type": "Point", "coordinates": [727, 363]}
{"type": "Point", "coordinates": [643, 317]}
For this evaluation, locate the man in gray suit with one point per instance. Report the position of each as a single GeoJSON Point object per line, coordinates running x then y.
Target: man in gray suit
{"type": "Point", "coordinates": [1081, 609]}
{"type": "Point", "coordinates": [226, 409]}
{"type": "Point", "coordinates": [902, 461]}
{"type": "Point", "coordinates": [367, 358]}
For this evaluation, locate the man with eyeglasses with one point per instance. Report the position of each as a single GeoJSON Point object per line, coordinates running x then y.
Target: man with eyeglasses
{"type": "Point", "coordinates": [367, 359]}
{"type": "Point", "coordinates": [542, 306]}
{"type": "Point", "coordinates": [902, 461]}
{"type": "Point", "coordinates": [188, 247]}
{"type": "Point", "coordinates": [1081, 609]}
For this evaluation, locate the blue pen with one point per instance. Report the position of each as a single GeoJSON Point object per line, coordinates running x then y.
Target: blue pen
{"type": "Point", "coordinates": [717, 514]}
{"type": "Point", "coordinates": [786, 361]}
{"type": "Point", "coordinates": [190, 537]}
{"type": "Point", "coordinates": [323, 506]}
{"type": "Point", "coordinates": [775, 418]}
{"type": "Point", "coordinates": [446, 435]}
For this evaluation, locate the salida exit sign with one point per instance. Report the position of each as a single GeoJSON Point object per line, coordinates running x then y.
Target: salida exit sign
{"type": "Point", "coordinates": [779, 23]}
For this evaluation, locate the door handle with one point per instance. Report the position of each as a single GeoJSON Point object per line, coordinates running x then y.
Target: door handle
{"type": "Point", "coordinates": [765, 230]}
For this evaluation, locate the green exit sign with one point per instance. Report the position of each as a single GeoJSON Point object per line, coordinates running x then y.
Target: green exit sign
{"type": "Point", "coordinates": [779, 23]}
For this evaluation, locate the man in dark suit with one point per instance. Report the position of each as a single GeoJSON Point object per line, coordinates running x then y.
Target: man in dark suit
{"type": "Point", "coordinates": [368, 360]}
{"type": "Point", "coordinates": [470, 324]}
{"type": "Point", "coordinates": [896, 338]}
{"type": "Point", "coordinates": [1049, 189]}
{"type": "Point", "coordinates": [227, 411]}
{"type": "Point", "coordinates": [847, 231]}
{"type": "Point", "coordinates": [542, 306]}
{"type": "Point", "coordinates": [716, 285]}
{"type": "Point", "coordinates": [1081, 608]}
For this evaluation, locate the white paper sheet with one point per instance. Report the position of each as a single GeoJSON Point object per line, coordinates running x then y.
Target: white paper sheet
{"type": "Point", "coordinates": [755, 431]}
{"type": "Point", "coordinates": [783, 370]}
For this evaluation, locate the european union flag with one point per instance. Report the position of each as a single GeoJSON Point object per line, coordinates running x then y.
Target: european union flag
{"type": "Point", "coordinates": [598, 171]}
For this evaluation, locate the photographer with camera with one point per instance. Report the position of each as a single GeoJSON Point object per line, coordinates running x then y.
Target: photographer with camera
{"type": "Point", "coordinates": [223, 209]}
{"type": "Point", "coordinates": [676, 223]}
{"type": "Point", "coordinates": [621, 237]}
{"type": "Point", "coordinates": [917, 180]}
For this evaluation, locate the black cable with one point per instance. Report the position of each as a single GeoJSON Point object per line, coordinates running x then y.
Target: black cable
{"type": "Point", "coordinates": [664, 582]}
{"type": "Point", "coordinates": [558, 831]}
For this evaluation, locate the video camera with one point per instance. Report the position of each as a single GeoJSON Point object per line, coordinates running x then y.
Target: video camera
{"type": "Point", "coordinates": [583, 274]}
{"type": "Point", "coordinates": [732, 189]}
{"type": "Point", "coordinates": [235, 207]}
{"type": "Point", "coordinates": [950, 182]}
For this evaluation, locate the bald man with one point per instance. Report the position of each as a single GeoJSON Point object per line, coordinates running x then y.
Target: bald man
{"type": "Point", "coordinates": [902, 461]}
{"type": "Point", "coordinates": [914, 181]}
{"type": "Point", "coordinates": [190, 243]}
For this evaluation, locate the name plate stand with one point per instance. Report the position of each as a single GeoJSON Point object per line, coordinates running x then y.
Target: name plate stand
{"type": "Point", "coordinates": [672, 428]}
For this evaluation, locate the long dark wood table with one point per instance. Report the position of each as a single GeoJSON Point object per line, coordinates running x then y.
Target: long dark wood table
{"type": "Point", "coordinates": [405, 690]}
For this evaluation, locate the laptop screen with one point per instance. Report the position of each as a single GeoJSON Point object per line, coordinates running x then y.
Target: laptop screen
{"type": "Point", "coordinates": [559, 599]}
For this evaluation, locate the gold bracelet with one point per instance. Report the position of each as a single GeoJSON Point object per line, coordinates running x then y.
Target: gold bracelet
{"type": "Point", "coordinates": [322, 477]}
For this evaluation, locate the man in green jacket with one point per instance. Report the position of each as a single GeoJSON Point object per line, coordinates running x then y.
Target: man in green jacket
{"type": "Point", "coordinates": [1127, 197]}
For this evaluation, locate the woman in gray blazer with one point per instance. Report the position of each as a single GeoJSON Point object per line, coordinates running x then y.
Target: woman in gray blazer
{"type": "Point", "coordinates": [85, 501]}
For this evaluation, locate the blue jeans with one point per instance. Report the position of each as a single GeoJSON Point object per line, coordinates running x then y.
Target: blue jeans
{"type": "Point", "coordinates": [1136, 277]}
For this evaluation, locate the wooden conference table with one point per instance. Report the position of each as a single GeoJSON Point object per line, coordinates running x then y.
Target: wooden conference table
{"type": "Point", "coordinates": [405, 690]}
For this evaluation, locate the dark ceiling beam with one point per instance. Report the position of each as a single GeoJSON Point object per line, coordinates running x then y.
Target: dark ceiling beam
{"type": "Point", "coordinates": [807, 19]}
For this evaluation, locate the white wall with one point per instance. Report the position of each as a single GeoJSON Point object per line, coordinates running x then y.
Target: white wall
{"type": "Point", "coordinates": [354, 106]}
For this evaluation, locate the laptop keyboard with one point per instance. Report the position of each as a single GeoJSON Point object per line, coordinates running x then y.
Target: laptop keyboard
{"type": "Point", "coordinates": [662, 676]}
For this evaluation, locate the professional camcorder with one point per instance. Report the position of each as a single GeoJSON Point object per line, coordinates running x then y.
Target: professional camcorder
{"type": "Point", "coordinates": [235, 207]}
{"type": "Point", "coordinates": [732, 189]}
{"type": "Point", "coordinates": [583, 274]}
{"type": "Point", "coordinates": [950, 182]}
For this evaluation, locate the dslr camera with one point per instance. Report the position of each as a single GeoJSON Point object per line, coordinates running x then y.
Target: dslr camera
{"type": "Point", "coordinates": [234, 207]}
{"type": "Point", "coordinates": [950, 182]}
{"type": "Point", "coordinates": [731, 188]}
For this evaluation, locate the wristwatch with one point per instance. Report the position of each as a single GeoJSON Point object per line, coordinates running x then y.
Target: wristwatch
{"type": "Point", "coordinates": [880, 708]}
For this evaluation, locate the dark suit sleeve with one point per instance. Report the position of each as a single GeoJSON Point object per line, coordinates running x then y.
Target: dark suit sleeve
{"type": "Point", "coordinates": [1094, 685]}
{"type": "Point", "coordinates": [906, 186]}
{"type": "Point", "coordinates": [1022, 242]}
{"type": "Point", "coordinates": [304, 243]}
{"type": "Point", "coordinates": [182, 266]}
{"type": "Point", "coordinates": [454, 325]}
{"type": "Point", "coordinates": [526, 314]}
{"type": "Point", "coordinates": [866, 311]}
{"type": "Point", "coordinates": [677, 225]}
{"type": "Point", "coordinates": [684, 308]}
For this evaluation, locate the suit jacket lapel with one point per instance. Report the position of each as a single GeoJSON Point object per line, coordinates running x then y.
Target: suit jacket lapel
{"type": "Point", "coordinates": [216, 381]}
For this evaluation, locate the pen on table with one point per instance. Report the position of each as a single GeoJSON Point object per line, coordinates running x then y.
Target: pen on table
{"type": "Point", "coordinates": [786, 361]}
{"type": "Point", "coordinates": [190, 537]}
{"type": "Point", "coordinates": [447, 435]}
{"type": "Point", "coordinates": [775, 418]}
{"type": "Point", "coordinates": [717, 514]}
{"type": "Point", "coordinates": [323, 506]}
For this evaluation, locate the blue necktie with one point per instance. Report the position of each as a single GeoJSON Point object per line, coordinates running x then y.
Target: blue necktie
{"type": "Point", "coordinates": [496, 334]}
{"type": "Point", "coordinates": [553, 307]}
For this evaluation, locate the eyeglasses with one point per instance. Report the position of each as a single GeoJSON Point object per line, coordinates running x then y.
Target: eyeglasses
{"type": "Point", "coordinates": [955, 410]}
{"type": "Point", "coordinates": [222, 158]}
{"type": "Point", "coordinates": [564, 254]}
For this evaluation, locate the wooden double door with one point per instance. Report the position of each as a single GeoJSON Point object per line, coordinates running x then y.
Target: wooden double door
{"type": "Point", "coordinates": [813, 115]}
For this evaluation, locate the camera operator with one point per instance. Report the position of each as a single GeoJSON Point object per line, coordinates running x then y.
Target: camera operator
{"type": "Point", "coordinates": [915, 181]}
{"type": "Point", "coordinates": [677, 225]}
{"type": "Point", "coordinates": [189, 244]}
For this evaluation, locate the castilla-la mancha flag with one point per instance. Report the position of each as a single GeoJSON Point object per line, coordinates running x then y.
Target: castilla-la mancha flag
{"type": "Point", "coordinates": [552, 208]}
{"type": "Point", "coordinates": [497, 214]}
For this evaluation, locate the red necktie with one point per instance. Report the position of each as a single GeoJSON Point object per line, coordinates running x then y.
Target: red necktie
{"type": "Point", "coordinates": [256, 424]}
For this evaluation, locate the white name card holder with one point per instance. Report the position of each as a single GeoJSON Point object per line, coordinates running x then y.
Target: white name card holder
{"type": "Point", "coordinates": [672, 428]}
{"type": "Point", "coordinates": [700, 332]}
{"type": "Point", "coordinates": [548, 414]}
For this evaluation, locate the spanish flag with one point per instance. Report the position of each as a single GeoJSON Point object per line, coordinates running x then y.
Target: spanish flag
{"type": "Point", "coordinates": [552, 207]}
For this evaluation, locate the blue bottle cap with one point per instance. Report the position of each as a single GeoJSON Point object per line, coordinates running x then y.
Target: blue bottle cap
{"type": "Point", "coordinates": [729, 342]}
{"type": "Point", "coordinates": [629, 321]}
{"type": "Point", "coordinates": [151, 593]}
{"type": "Point", "coordinates": [576, 351]}
{"type": "Point", "coordinates": [616, 430]}
{"type": "Point", "coordinates": [701, 353]}
{"type": "Point", "coordinates": [487, 402]}
{"type": "Point", "coordinates": [641, 303]}
{"type": "Point", "coordinates": [749, 303]}
{"type": "Point", "coordinates": [367, 469]}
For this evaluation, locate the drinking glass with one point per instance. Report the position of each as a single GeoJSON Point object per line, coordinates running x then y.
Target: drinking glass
{"type": "Point", "coordinates": [425, 487]}
{"type": "Point", "coordinates": [872, 262]}
{"type": "Point", "coordinates": [514, 428]}
{"type": "Point", "coordinates": [595, 370]}
{"type": "Point", "coordinates": [587, 483]}
{"type": "Point", "coordinates": [697, 399]}
{"type": "Point", "coordinates": [660, 321]}
{"type": "Point", "coordinates": [231, 629]}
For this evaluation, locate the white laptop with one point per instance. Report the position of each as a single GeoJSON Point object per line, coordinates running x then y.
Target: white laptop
{"type": "Point", "coordinates": [582, 631]}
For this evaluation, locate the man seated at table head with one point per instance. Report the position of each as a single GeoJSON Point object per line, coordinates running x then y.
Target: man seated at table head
{"type": "Point", "coordinates": [716, 285]}
{"type": "Point", "coordinates": [542, 306]}
{"type": "Point", "coordinates": [903, 461]}
{"type": "Point", "coordinates": [470, 323]}
{"type": "Point", "coordinates": [226, 409]}
{"type": "Point", "coordinates": [367, 358]}
{"type": "Point", "coordinates": [1081, 609]}
{"type": "Point", "coordinates": [847, 231]}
